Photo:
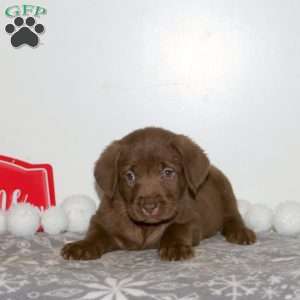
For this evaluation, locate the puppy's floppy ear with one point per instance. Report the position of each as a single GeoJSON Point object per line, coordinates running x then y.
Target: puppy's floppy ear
{"type": "Point", "coordinates": [194, 160]}
{"type": "Point", "coordinates": [106, 169]}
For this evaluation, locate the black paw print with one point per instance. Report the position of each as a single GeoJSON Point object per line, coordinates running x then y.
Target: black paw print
{"type": "Point", "coordinates": [25, 34]}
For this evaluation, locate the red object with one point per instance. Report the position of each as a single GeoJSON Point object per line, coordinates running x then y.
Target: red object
{"type": "Point", "coordinates": [24, 182]}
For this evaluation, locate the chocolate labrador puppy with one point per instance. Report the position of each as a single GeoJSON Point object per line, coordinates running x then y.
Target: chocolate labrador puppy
{"type": "Point", "coordinates": [159, 191]}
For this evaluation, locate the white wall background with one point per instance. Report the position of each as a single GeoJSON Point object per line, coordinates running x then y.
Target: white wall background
{"type": "Point", "coordinates": [227, 73]}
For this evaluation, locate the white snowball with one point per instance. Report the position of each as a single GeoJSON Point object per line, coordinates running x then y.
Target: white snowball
{"type": "Point", "coordinates": [243, 207]}
{"type": "Point", "coordinates": [286, 220]}
{"type": "Point", "coordinates": [79, 209]}
{"type": "Point", "coordinates": [23, 219]}
{"type": "Point", "coordinates": [259, 218]}
{"type": "Point", "coordinates": [54, 220]}
{"type": "Point", "coordinates": [3, 222]}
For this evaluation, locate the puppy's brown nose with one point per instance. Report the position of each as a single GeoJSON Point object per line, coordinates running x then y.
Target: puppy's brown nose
{"type": "Point", "coordinates": [150, 208]}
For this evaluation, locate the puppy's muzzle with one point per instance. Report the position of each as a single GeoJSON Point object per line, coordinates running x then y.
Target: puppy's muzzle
{"type": "Point", "coordinates": [149, 207]}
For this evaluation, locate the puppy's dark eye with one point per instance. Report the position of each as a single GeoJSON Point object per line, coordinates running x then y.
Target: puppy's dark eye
{"type": "Point", "coordinates": [130, 177]}
{"type": "Point", "coordinates": [168, 173]}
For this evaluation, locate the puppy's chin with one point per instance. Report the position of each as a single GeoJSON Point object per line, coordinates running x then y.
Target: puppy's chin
{"type": "Point", "coordinates": [140, 219]}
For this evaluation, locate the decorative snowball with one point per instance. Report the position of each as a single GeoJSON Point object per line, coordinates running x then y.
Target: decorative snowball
{"type": "Point", "coordinates": [79, 209]}
{"type": "Point", "coordinates": [23, 219]}
{"type": "Point", "coordinates": [54, 220]}
{"type": "Point", "coordinates": [286, 220]}
{"type": "Point", "coordinates": [3, 222]}
{"type": "Point", "coordinates": [259, 218]}
{"type": "Point", "coordinates": [243, 206]}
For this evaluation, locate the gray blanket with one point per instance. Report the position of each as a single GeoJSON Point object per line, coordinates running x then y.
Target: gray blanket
{"type": "Point", "coordinates": [33, 269]}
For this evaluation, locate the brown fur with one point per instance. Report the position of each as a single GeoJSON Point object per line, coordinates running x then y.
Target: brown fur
{"type": "Point", "coordinates": [159, 191]}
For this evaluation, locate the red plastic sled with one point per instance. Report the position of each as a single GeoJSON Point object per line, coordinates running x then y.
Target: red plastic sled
{"type": "Point", "coordinates": [24, 182]}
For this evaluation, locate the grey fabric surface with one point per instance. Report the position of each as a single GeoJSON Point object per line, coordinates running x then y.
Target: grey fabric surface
{"type": "Point", "coordinates": [33, 269]}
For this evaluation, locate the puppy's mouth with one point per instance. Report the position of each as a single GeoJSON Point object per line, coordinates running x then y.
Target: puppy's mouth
{"type": "Point", "coordinates": [154, 215]}
{"type": "Point", "coordinates": [152, 212]}
{"type": "Point", "coordinates": [150, 222]}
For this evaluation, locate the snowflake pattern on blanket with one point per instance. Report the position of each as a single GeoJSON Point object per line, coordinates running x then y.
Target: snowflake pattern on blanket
{"type": "Point", "coordinates": [268, 270]}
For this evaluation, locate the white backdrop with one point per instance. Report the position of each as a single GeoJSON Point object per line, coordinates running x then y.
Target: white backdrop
{"type": "Point", "coordinates": [226, 73]}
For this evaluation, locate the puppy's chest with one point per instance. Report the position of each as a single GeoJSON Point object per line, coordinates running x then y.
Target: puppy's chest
{"type": "Point", "coordinates": [140, 237]}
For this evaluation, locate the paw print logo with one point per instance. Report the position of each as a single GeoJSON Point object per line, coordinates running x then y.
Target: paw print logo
{"type": "Point", "coordinates": [24, 33]}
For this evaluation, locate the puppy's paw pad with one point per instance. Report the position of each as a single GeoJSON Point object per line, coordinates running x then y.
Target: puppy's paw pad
{"type": "Point", "coordinates": [241, 236]}
{"type": "Point", "coordinates": [176, 252]}
{"type": "Point", "coordinates": [81, 250]}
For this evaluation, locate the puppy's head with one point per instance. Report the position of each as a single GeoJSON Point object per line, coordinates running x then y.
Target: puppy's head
{"type": "Point", "coordinates": [151, 168]}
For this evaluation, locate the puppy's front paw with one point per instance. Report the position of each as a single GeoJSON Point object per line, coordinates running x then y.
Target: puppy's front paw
{"type": "Point", "coordinates": [176, 252]}
{"type": "Point", "coordinates": [241, 236]}
{"type": "Point", "coordinates": [81, 250]}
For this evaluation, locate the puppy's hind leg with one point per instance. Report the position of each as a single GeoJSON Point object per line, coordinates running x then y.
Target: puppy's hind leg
{"type": "Point", "coordinates": [233, 229]}
{"type": "Point", "coordinates": [236, 232]}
